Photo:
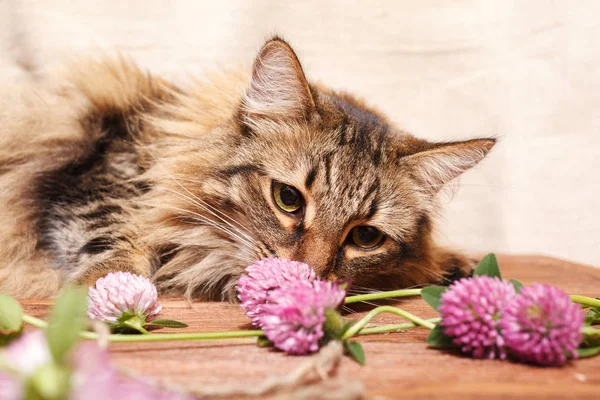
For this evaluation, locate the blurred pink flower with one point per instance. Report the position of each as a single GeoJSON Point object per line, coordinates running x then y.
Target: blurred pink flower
{"type": "Point", "coordinates": [471, 309]}
{"type": "Point", "coordinates": [542, 325]}
{"type": "Point", "coordinates": [27, 353]}
{"type": "Point", "coordinates": [294, 314]}
{"type": "Point", "coordinates": [122, 292]}
{"type": "Point", "coordinates": [91, 377]}
{"type": "Point", "coordinates": [10, 387]}
{"type": "Point", "coordinates": [264, 276]}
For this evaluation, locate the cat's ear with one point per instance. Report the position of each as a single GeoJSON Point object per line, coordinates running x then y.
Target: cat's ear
{"type": "Point", "coordinates": [441, 163]}
{"type": "Point", "coordinates": [278, 88]}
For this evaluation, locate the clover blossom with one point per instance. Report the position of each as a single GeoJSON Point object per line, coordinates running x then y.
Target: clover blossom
{"type": "Point", "coordinates": [542, 325]}
{"type": "Point", "coordinates": [294, 315]}
{"type": "Point", "coordinates": [264, 276]}
{"type": "Point", "coordinates": [471, 310]}
{"type": "Point", "coordinates": [121, 296]}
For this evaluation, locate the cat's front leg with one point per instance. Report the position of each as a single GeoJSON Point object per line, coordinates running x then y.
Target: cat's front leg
{"type": "Point", "coordinates": [454, 265]}
{"type": "Point", "coordinates": [111, 253]}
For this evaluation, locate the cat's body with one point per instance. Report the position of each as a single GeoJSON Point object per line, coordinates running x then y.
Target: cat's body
{"type": "Point", "coordinates": [112, 169]}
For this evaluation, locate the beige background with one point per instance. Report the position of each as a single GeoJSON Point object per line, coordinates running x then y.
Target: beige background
{"type": "Point", "coordinates": [526, 72]}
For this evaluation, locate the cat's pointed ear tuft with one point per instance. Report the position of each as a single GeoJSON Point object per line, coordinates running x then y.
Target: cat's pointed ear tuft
{"type": "Point", "coordinates": [278, 87]}
{"type": "Point", "coordinates": [438, 165]}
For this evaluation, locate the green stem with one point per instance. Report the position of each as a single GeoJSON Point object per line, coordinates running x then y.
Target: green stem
{"type": "Point", "coordinates": [365, 320]}
{"type": "Point", "coordinates": [218, 335]}
{"type": "Point", "coordinates": [589, 301]}
{"type": "Point", "coordinates": [393, 328]}
{"type": "Point", "coordinates": [382, 295]}
{"type": "Point", "coordinates": [154, 337]}
{"type": "Point", "coordinates": [136, 326]}
{"type": "Point", "coordinates": [590, 330]}
{"type": "Point", "coordinates": [157, 337]}
{"type": "Point", "coordinates": [38, 323]}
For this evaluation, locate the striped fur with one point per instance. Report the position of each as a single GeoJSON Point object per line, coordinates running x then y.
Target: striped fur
{"type": "Point", "coordinates": [109, 168]}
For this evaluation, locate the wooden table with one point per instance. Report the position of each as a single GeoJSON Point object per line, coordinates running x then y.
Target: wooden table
{"type": "Point", "coordinates": [399, 365]}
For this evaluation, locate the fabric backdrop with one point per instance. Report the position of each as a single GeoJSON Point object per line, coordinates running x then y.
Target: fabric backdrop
{"type": "Point", "coordinates": [523, 71]}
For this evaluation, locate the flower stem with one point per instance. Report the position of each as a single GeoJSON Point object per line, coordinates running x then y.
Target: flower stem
{"type": "Point", "coordinates": [153, 337]}
{"type": "Point", "coordinates": [393, 328]}
{"type": "Point", "coordinates": [158, 337]}
{"type": "Point", "coordinates": [136, 325]}
{"type": "Point", "coordinates": [382, 295]}
{"type": "Point", "coordinates": [590, 330]}
{"type": "Point", "coordinates": [365, 320]}
{"type": "Point", "coordinates": [589, 301]}
{"type": "Point", "coordinates": [38, 323]}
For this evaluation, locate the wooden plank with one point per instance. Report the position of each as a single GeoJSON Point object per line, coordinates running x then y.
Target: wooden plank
{"type": "Point", "coordinates": [399, 365]}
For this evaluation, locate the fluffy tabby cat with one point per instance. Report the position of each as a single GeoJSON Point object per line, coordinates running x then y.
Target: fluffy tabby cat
{"type": "Point", "coordinates": [111, 169]}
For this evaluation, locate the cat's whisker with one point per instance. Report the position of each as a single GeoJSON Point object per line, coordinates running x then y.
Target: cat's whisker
{"type": "Point", "coordinates": [248, 237]}
{"type": "Point", "coordinates": [458, 186]}
{"type": "Point", "coordinates": [205, 221]}
{"type": "Point", "coordinates": [209, 207]}
{"type": "Point", "coordinates": [212, 223]}
{"type": "Point", "coordinates": [354, 291]}
{"type": "Point", "coordinates": [358, 289]}
{"type": "Point", "coordinates": [348, 310]}
{"type": "Point", "coordinates": [201, 203]}
{"type": "Point", "coordinates": [370, 303]}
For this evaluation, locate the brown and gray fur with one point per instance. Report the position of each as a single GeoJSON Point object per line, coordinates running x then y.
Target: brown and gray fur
{"type": "Point", "coordinates": [108, 168]}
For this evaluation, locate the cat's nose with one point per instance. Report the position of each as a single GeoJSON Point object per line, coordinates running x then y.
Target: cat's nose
{"type": "Point", "coordinates": [318, 253]}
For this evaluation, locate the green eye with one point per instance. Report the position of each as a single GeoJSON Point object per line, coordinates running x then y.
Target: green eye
{"type": "Point", "coordinates": [366, 237]}
{"type": "Point", "coordinates": [288, 198]}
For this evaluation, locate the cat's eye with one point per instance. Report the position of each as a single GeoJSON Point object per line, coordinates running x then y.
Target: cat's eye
{"type": "Point", "coordinates": [366, 237]}
{"type": "Point", "coordinates": [287, 197]}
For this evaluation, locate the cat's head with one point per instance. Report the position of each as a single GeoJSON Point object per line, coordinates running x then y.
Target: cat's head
{"type": "Point", "coordinates": [316, 176]}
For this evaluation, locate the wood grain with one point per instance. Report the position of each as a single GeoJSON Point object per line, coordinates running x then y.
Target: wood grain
{"type": "Point", "coordinates": [399, 365]}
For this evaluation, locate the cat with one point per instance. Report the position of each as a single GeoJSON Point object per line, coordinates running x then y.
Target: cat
{"type": "Point", "coordinates": [108, 168]}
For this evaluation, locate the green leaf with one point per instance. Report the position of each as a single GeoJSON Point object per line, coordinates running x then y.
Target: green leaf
{"type": "Point", "coordinates": [488, 266]}
{"type": "Point", "coordinates": [355, 351]}
{"type": "Point", "coordinates": [588, 352]}
{"type": "Point", "coordinates": [11, 315]}
{"type": "Point", "coordinates": [591, 339]}
{"type": "Point", "coordinates": [592, 317]}
{"type": "Point", "coordinates": [432, 295]}
{"type": "Point", "coordinates": [124, 322]}
{"type": "Point", "coordinates": [135, 324]}
{"type": "Point", "coordinates": [67, 320]}
{"type": "Point", "coordinates": [438, 339]}
{"type": "Point", "coordinates": [517, 285]}
{"type": "Point", "coordinates": [166, 323]}
{"type": "Point", "coordinates": [126, 316]}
